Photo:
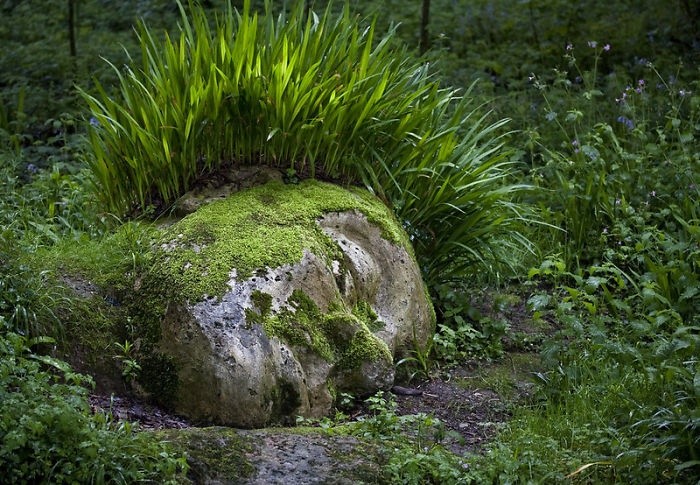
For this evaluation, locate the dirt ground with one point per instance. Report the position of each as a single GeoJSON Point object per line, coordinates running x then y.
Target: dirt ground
{"type": "Point", "coordinates": [474, 414]}
{"type": "Point", "coordinates": [472, 402]}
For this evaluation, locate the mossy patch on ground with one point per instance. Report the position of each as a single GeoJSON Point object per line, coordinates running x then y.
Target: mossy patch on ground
{"type": "Point", "coordinates": [225, 455]}
{"type": "Point", "coordinates": [509, 378]}
{"type": "Point", "coordinates": [99, 278]}
{"type": "Point", "coordinates": [214, 455]}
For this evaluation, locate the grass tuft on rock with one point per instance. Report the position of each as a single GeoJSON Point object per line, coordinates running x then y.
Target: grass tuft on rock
{"type": "Point", "coordinates": [316, 95]}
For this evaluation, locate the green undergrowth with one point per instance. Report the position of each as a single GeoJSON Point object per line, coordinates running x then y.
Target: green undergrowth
{"type": "Point", "coordinates": [616, 399]}
{"type": "Point", "coordinates": [410, 445]}
{"type": "Point", "coordinates": [49, 434]}
{"type": "Point", "coordinates": [512, 377]}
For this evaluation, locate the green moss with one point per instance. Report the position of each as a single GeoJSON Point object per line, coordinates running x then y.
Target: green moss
{"type": "Point", "coordinates": [262, 305]}
{"type": "Point", "coordinates": [363, 347]}
{"type": "Point", "coordinates": [338, 336]}
{"type": "Point", "coordinates": [266, 226]}
{"type": "Point", "coordinates": [262, 301]}
{"type": "Point", "coordinates": [108, 300]}
{"type": "Point", "coordinates": [301, 324]}
{"type": "Point", "coordinates": [365, 313]}
{"type": "Point", "coordinates": [507, 378]}
{"type": "Point", "coordinates": [92, 284]}
{"type": "Point", "coordinates": [358, 468]}
{"type": "Point", "coordinates": [301, 303]}
{"type": "Point", "coordinates": [213, 454]}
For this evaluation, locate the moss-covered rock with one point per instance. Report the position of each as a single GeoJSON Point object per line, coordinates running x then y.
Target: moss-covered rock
{"type": "Point", "coordinates": [261, 306]}
{"type": "Point", "coordinates": [280, 296]}
{"type": "Point", "coordinates": [276, 455]}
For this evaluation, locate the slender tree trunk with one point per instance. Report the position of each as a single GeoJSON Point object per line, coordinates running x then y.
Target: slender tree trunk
{"type": "Point", "coordinates": [71, 27]}
{"type": "Point", "coordinates": [424, 32]}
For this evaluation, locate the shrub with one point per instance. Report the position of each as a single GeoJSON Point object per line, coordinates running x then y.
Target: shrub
{"type": "Point", "coordinates": [48, 434]}
{"type": "Point", "coordinates": [315, 95]}
{"type": "Point", "coordinates": [614, 155]}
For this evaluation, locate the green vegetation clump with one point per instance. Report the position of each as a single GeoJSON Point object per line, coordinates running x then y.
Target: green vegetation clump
{"type": "Point", "coordinates": [414, 444]}
{"type": "Point", "coordinates": [364, 312]}
{"type": "Point", "coordinates": [314, 95]}
{"type": "Point", "coordinates": [48, 433]}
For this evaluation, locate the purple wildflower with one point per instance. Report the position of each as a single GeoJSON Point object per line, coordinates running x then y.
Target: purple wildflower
{"type": "Point", "coordinates": [629, 124]}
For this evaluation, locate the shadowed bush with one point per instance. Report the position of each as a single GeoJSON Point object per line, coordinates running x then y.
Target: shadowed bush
{"type": "Point", "coordinates": [48, 433]}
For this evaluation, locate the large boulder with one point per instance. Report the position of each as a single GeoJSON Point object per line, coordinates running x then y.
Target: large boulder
{"type": "Point", "coordinates": [265, 305]}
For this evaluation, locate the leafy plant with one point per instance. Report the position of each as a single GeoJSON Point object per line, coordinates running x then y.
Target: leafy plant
{"type": "Point", "coordinates": [463, 332]}
{"type": "Point", "coordinates": [314, 95]}
{"type": "Point", "coordinates": [418, 362]}
{"type": "Point", "coordinates": [27, 302]}
{"type": "Point", "coordinates": [48, 433]}
{"type": "Point", "coordinates": [616, 398]}
{"type": "Point", "coordinates": [130, 366]}
{"type": "Point", "coordinates": [414, 443]}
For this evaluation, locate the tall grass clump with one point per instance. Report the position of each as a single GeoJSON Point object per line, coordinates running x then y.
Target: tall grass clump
{"type": "Point", "coordinates": [316, 95]}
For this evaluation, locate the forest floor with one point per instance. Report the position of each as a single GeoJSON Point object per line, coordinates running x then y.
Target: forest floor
{"type": "Point", "coordinates": [471, 401]}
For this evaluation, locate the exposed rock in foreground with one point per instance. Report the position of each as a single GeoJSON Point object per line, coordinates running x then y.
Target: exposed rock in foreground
{"type": "Point", "coordinates": [276, 456]}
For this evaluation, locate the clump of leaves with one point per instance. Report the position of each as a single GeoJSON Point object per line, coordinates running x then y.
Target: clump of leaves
{"type": "Point", "coordinates": [463, 332]}
{"type": "Point", "coordinates": [49, 435]}
{"type": "Point", "coordinates": [312, 95]}
{"type": "Point", "coordinates": [414, 441]}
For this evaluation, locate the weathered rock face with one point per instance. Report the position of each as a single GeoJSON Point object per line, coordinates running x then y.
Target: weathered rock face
{"type": "Point", "coordinates": [280, 297]}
